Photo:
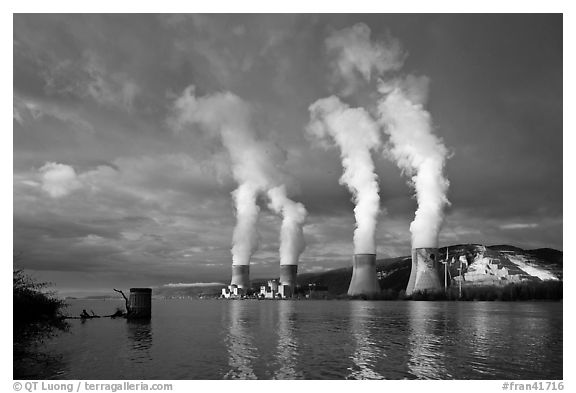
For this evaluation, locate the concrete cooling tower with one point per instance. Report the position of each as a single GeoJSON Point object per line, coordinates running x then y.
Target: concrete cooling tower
{"type": "Point", "coordinates": [241, 276]}
{"type": "Point", "coordinates": [288, 275]}
{"type": "Point", "coordinates": [364, 280]}
{"type": "Point", "coordinates": [424, 276]}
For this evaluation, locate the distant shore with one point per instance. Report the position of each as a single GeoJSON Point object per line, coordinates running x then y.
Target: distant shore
{"type": "Point", "coordinates": [527, 291]}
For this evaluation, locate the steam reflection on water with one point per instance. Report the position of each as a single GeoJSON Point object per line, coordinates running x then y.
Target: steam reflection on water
{"type": "Point", "coordinates": [287, 349]}
{"type": "Point", "coordinates": [240, 343]}
{"type": "Point", "coordinates": [425, 341]}
{"type": "Point", "coordinates": [366, 350]}
{"type": "Point", "coordinates": [216, 339]}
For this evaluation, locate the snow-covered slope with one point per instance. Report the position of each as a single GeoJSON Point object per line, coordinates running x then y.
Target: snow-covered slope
{"type": "Point", "coordinates": [475, 264]}
{"type": "Point", "coordinates": [531, 268]}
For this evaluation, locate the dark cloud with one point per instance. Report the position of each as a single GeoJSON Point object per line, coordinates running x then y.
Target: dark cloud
{"type": "Point", "coordinates": [148, 205]}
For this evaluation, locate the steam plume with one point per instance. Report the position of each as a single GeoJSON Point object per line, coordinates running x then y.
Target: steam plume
{"type": "Point", "coordinates": [401, 114]}
{"type": "Point", "coordinates": [356, 56]}
{"type": "Point", "coordinates": [291, 234]}
{"type": "Point", "coordinates": [245, 237]}
{"type": "Point", "coordinates": [254, 168]}
{"type": "Point", "coordinates": [356, 134]}
{"type": "Point", "coordinates": [418, 152]}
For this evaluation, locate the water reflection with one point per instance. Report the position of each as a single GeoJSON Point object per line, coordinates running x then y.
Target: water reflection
{"type": "Point", "coordinates": [140, 340]}
{"type": "Point", "coordinates": [480, 339]}
{"type": "Point", "coordinates": [317, 340]}
{"type": "Point", "coordinates": [519, 341]}
{"type": "Point", "coordinates": [366, 351]}
{"type": "Point", "coordinates": [286, 355]}
{"type": "Point", "coordinates": [240, 342]}
{"type": "Point", "coordinates": [425, 340]}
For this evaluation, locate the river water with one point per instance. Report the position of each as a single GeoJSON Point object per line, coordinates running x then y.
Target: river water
{"type": "Point", "coordinates": [251, 339]}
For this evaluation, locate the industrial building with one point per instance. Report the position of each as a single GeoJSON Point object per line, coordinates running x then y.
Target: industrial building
{"type": "Point", "coordinates": [283, 288]}
{"type": "Point", "coordinates": [233, 291]}
{"type": "Point", "coordinates": [276, 290]}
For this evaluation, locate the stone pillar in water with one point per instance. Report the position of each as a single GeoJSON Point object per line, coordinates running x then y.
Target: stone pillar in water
{"type": "Point", "coordinates": [140, 303]}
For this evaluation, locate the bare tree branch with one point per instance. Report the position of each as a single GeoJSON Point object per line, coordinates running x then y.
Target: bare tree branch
{"type": "Point", "coordinates": [125, 299]}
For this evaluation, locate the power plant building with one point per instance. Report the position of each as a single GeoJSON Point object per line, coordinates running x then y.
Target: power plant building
{"type": "Point", "coordinates": [276, 290]}
{"type": "Point", "coordinates": [283, 288]}
{"type": "Point", "coordinates": [233, 292]}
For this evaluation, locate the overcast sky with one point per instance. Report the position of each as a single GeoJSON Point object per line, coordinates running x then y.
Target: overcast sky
{"type": "Point", "coordinates": [107, 193]}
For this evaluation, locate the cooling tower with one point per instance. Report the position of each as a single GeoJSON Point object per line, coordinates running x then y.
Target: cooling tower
{"type": "Point", "coordinates": [424, 276]}
{"type": "Point", "coordinates": [410, 287]}
{"type": "Point", "coordinates": [364, 280]}
{"type": "Point", "coordinates": [241, 276]}
{"type": "Point", "coordinates": [288, 275]}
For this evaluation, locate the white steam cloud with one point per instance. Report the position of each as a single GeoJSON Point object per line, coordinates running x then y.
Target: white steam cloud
{"type": "Point", "coordinates": [401, 115]}
{"type": "Point", "coordinates": [356, 134]}
{"type": "Point", "coordinates": [228, 116]}
{"type": "Point", "coordinates": [357, 57]}
{"type": "Point", "coordinates": [419, 153]}
{"type": "Point", "coordinates": [291, 234]}
{"type": "Point", "coordinates": [245, 237]}
{"type": "Point", "coordinates": [254, 168]}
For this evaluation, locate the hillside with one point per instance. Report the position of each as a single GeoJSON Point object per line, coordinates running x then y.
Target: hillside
{"type": "Point", "coordinates": [492, 265]}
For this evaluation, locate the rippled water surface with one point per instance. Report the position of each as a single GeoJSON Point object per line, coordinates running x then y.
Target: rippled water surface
{"type": "Point", "coordinates": [217, 339]}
